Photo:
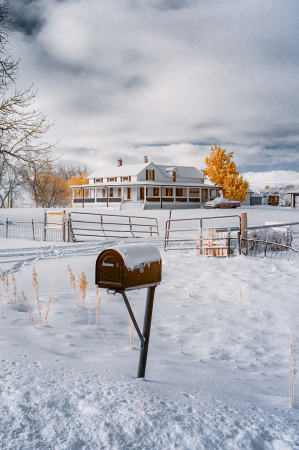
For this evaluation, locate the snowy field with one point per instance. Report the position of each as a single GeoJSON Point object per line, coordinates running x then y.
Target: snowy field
{"type": "Point", "coordinates": [219, 357]}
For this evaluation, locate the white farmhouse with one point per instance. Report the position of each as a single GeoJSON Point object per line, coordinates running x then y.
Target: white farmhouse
{"type": "Point", "coordinates": [146, 185]}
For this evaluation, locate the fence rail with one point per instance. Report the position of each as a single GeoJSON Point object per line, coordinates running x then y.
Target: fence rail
{"type": "Point", "coordinates": [107, 226]}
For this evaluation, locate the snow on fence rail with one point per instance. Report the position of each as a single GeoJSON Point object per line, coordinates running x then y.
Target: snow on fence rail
{"type": "Point", "coordinates": [96, 225]}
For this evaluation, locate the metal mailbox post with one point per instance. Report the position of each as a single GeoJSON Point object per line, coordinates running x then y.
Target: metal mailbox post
{"type": "Point", "coordinates": [128, 267]}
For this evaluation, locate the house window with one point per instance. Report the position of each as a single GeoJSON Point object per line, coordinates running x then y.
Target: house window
{"type": "Point", "coordinates": [104, 193]}
{"type": "Point", "coordinates": [179, 192]}
{"type": "Point", "coordinates": [194, 192]}
{"type": "Point", "coordinates": [142, 193]}
{"type": "Point", "coordinates": [111, 179]}
{"type": "Point", "coordinates": [125, 179]}
{"type": "Point", "coordinates": [168, 192]}
{"type": "Point", "coordinates": [156, 192]}
{"type": "Point", "coordinates": [174, 176]}
{"type": "Point", "coordinates": [98, 180]}
{"type": "Point", "coordinates": [111, 192]}
{"type": "Point", "coordinates": [150, 175]}
{"type": "Point", "coordinates": [128, 193]}
{"type": "Point", "coordinates": [119, 192]}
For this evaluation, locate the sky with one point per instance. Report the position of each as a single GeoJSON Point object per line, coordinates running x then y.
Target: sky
{"type": "Point", "coordinates": [166, 79]}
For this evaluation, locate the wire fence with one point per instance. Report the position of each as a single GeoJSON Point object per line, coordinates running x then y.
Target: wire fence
{"type": "Point", "coordinates": [35, 231]}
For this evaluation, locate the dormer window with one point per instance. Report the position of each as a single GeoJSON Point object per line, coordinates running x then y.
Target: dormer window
{"type": "Point", "coordinates": [174, 176]}
{"type": "Point", "coordinates": [125, 178]}
{"type": "Point", "coordinates": [98, 180]}
{"type": "Point", "coordinates": [150, 175]}
{"type": "Point", "coordinates": [111, 179]}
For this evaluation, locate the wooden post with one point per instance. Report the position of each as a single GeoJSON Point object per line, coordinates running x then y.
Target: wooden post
{"type": "Point", "coordinates": [45, 225]}
{"type": "Point", "coordinates": [146, 331]}
{"type": "Point", "coordinates": [244, 230]}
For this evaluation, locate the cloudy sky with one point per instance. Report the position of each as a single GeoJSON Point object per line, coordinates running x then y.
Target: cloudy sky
{"type": "Point", "coordinates": [167, 79]}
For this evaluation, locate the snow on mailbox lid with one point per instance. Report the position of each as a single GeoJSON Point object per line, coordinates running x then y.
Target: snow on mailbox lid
{"type": "Point", "coordinates": [127, 267]}
{"type": "Point", "coordinates": [135, 255]}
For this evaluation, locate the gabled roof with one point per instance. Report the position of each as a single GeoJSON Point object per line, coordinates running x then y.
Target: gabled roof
{"type": "Point", "coordinates": [181, 171]}
{"type": "Point", "coordinates": [135, 169]}
{"type": "Point", "coordinates": [122, 171]}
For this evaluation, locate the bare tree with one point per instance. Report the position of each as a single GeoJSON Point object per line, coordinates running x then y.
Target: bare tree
{"type": "Point", "coordinates": [67, 172]}
{"type": "Point", "coordinates": [22, 127]}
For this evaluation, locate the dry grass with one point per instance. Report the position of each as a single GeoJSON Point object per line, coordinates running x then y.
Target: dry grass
{"type": "Point", "coordinates": [82, 284]}
{"type": "Point", "coordinates": [15, 295]}
{"type": "Point", "coordinates": [48, 306]}
{"type": "Point", "coordinates": [36, 288]}
{"type": "Point", "coordinates": [292, 371]}
{"type": "Point", "coordinates": [140, 399]}
{"type": "Point", "coordinates": [27, 307]}
{"type": "Point", "coordinates": [5, 282]}
{"type": "Point", "coordinates": [107, 343]}
{"type": "Point", "coordinates": [72, 281]}
{"type": "Point", "coordinates": [98, 304]}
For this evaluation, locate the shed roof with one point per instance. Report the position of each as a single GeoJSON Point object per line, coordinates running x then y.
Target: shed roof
{"type": "Point", "coordinates": [256, 194]}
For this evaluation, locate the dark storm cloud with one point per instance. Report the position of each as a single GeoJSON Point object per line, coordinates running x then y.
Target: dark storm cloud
{"type": "Point", "coordinates": [168, 78]}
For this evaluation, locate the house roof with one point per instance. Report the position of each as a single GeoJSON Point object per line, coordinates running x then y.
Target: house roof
{"type": "Point", "coordinates": [256, 194]}
{"type": "Point", "coordinates": [122, 171]}
{"type": "Point", "coordinates": [294, 192]}
{"type": "Point", "coordinates": [135, 169]}
{"type": "Point", "coordinates": [181, 171]}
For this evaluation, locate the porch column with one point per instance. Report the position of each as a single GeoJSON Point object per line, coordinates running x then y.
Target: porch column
{"type": "Point", "coordinates": [83, 198]}
{"type": "Point", "coordinates": [200, 197]}
{"type": "Point", "coordinates": [187, 195]}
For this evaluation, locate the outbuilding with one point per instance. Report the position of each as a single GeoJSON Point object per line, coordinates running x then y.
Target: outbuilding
{"type": "Point", "coordinates": [256, 199]}
{"type": "Point", "coordinates": [294, 199]}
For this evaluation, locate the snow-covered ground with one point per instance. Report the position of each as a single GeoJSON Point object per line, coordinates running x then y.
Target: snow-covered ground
{"type": "Point", "coordinates": [218, 366]}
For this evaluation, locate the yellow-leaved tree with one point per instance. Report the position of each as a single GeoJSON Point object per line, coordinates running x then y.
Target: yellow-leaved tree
{"type": "Point", "coordinates": [222, 171]}
{"type": "Point", "coordinates": [77, 181]}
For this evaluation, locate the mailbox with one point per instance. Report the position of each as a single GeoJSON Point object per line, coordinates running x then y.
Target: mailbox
{"type": "Point", "coordinates": [128, 267]}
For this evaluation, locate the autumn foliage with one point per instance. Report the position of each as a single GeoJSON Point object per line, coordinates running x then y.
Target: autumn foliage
{"type": "Point", "coordinates": [222, 171]}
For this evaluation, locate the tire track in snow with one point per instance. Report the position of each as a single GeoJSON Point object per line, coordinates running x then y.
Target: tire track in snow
{"type": "Point", "coordinates": [19, 258]}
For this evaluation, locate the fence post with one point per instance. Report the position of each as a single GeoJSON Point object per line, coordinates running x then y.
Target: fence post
{"type": "Point", "coordinates": [228, 242]}
{"type": "Point", "coordinates": [45, 225]}
{"type": "Point", "coordinates": [200, 236]}
{"type": "Point", "coordinates": [244, 231]}
{"type": "Point", "coordinates": [265, 252]}
{"type": "Point", "coordinates": [63, 225]}
{"type": "Point", "coordinates": [239, 242]}
{"type": "Point", "coordinates": [71, 232]}
{"type": "Point", "coordinates": [33, 230]}
{"type": "Point", "coordinates": [6, 230]}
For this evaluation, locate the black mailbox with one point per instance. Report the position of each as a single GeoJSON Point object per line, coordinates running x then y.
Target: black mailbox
{"type": "Point", "coordinates": [128, 267]}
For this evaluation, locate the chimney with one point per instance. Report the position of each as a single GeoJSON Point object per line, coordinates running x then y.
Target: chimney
{"type": "Point", "coordinates": [145, 159]}
{"type": "Point", "coordinates": [120, 162]}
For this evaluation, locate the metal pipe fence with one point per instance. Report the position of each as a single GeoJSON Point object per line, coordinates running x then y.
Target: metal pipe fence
{"type": "Point", "coordinates": [96, 225]}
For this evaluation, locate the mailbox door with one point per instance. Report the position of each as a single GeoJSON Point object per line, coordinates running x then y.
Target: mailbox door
{"type": "Point", "coordinates": [109, 271]}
